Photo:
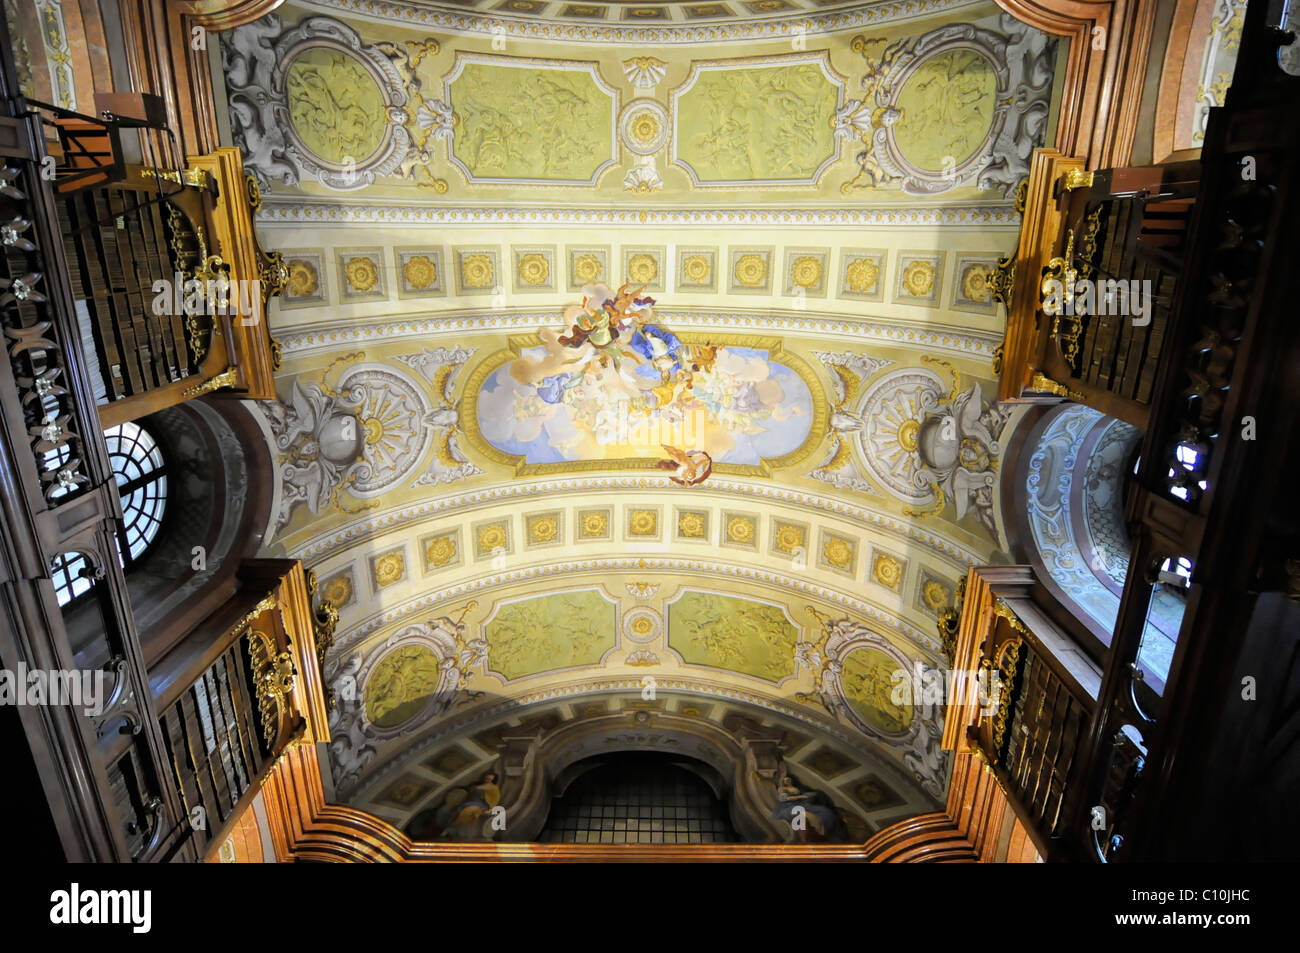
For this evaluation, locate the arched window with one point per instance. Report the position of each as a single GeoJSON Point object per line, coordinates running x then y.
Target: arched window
{"type": "Point", "coordinates": [141, 473]}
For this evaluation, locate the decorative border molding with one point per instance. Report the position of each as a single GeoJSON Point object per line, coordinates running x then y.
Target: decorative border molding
{"type": "Point", "coordinates": [58, 55]}
{"type": "Point", "coordinates": [670, 650]}
{"type": "Point", "coordinates": [591, 68]}
{"type": "Point", "coordinates": [976, 345]}
{"type": "Point", "coordinates": [321, 547]}
{"type": "Point", "coordinates": [819, 58]}
{"type": "Point", "coordinates": [605, 656]}
{"type": "Point", "coordinates": [750, 27]}
{"type": "Point", "coordinates": [638, 564]}
{"type": "Point", "coordinates": [307, 212]}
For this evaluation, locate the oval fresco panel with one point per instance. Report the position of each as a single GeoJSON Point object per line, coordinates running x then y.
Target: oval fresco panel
{"type": "Point", "coordinates": [735, 403]}
{"type": "Point", "coordinates": [947, 105]}
{"type": "Point", "coordinates": [401, 685]}
{"type": "Point", "coordinates": [337, 109]}
{"type": "Point", "coordinates": [867, 676]}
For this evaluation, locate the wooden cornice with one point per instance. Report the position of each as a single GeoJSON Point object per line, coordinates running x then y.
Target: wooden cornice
{"type": "Point", "coordinates": [224, 14]}
{"type": "Point", "coordinates": [162, 59]}
{"type": "Point", "coordinates": [1102, 89]}
{"type": "Point", "coordinates": [977, 826]}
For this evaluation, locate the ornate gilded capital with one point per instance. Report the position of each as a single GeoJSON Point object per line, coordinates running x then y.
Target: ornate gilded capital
{"type": "Point", "coordinates": [1044, 384]}
{"type": "Point", "coordinates": [273, 678]}
{"type": "Point", "coordinates": [1088, 244]}
{"type": "Point", "coordinates": [1002, 280]}
{"type": "Point", "coordinates": [190, 178]}
{"type": "Point", "coordinates": [1008, 667]}
{"type": "Point", "coordinates": [272, 272]}
{"type": "Point", "coordinates": [325, 619]}
{"type": "Point", "coordinates": [1076, 179]}
{"type": "Point", "coordinates": [227, 378]}
{"type": "Point", "coordinates": [949, 623]}
{"type": "Point", "coordinates": [1004, 611]}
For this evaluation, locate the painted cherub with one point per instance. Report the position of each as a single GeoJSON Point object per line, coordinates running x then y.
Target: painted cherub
{"type": "Point", "coordinates": [692, 467]}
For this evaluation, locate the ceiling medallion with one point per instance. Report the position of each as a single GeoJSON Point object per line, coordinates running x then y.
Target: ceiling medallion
{"type": "Point", "coordinates": [288, 122]}
{"type": "Point", "coordinates": [643, 127]}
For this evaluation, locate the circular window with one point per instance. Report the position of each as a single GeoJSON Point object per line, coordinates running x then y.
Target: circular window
{"type": "Point", "coordinates": [140, 471]}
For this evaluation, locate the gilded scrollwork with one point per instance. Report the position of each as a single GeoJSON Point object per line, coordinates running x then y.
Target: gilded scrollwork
{"type": "Point", "coordinates": [273, 670]}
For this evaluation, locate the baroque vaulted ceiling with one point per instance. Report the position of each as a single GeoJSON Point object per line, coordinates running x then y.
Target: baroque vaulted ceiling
{"type": "Point", "coordinates": [814, 197]}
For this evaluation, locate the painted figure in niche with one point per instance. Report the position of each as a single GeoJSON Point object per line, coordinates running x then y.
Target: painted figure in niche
{"type": "Point", "coordinates": [811, 814]}
{"type": "Point", "coordinates": [615, 384]}
{"type": "Point", "coordinates": [462, 816]}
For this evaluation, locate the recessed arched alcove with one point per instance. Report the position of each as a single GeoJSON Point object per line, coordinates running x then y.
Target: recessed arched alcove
{"type": "Point", "coordinates": [218, 502]}
{"type": "Point", "coordinates": [637, 797]}
{"type": "Point", "coordinates": [1070, 478]}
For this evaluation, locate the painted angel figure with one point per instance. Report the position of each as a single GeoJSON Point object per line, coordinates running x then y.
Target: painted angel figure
{"type": "Point", "coordinates": [691, 467]}
{"type": "Point", "coordinates": [604, 317]}
{"type": "Point", "coordinates": [461, 816]}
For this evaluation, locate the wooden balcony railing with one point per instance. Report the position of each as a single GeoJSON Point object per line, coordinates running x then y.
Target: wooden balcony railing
{"type": "Point", "coordinates": [1214, 495]}
{"type": "Point", "coordinates": [100, 770]}
{"type": "Point", "coordinates": [1033, 730]}
{"type": "Point", "coordinates": [169, 282]}
{"type": "Point", "coordinates": [231, 705]}
{"type": "Point", "coordinates": [1044, 732]}
{"type": "Point", "coordinates": [1102, 763]}
{"type": "Point", "coordinates": [121, 243]}
{"type": "Point", "coordinates": [1120, 230]}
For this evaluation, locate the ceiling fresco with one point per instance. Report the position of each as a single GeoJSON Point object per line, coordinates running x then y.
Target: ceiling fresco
{"type": "Point", "coordinates": [636, 388]}
{"type": "Point", "coordinates": [951, 105]}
